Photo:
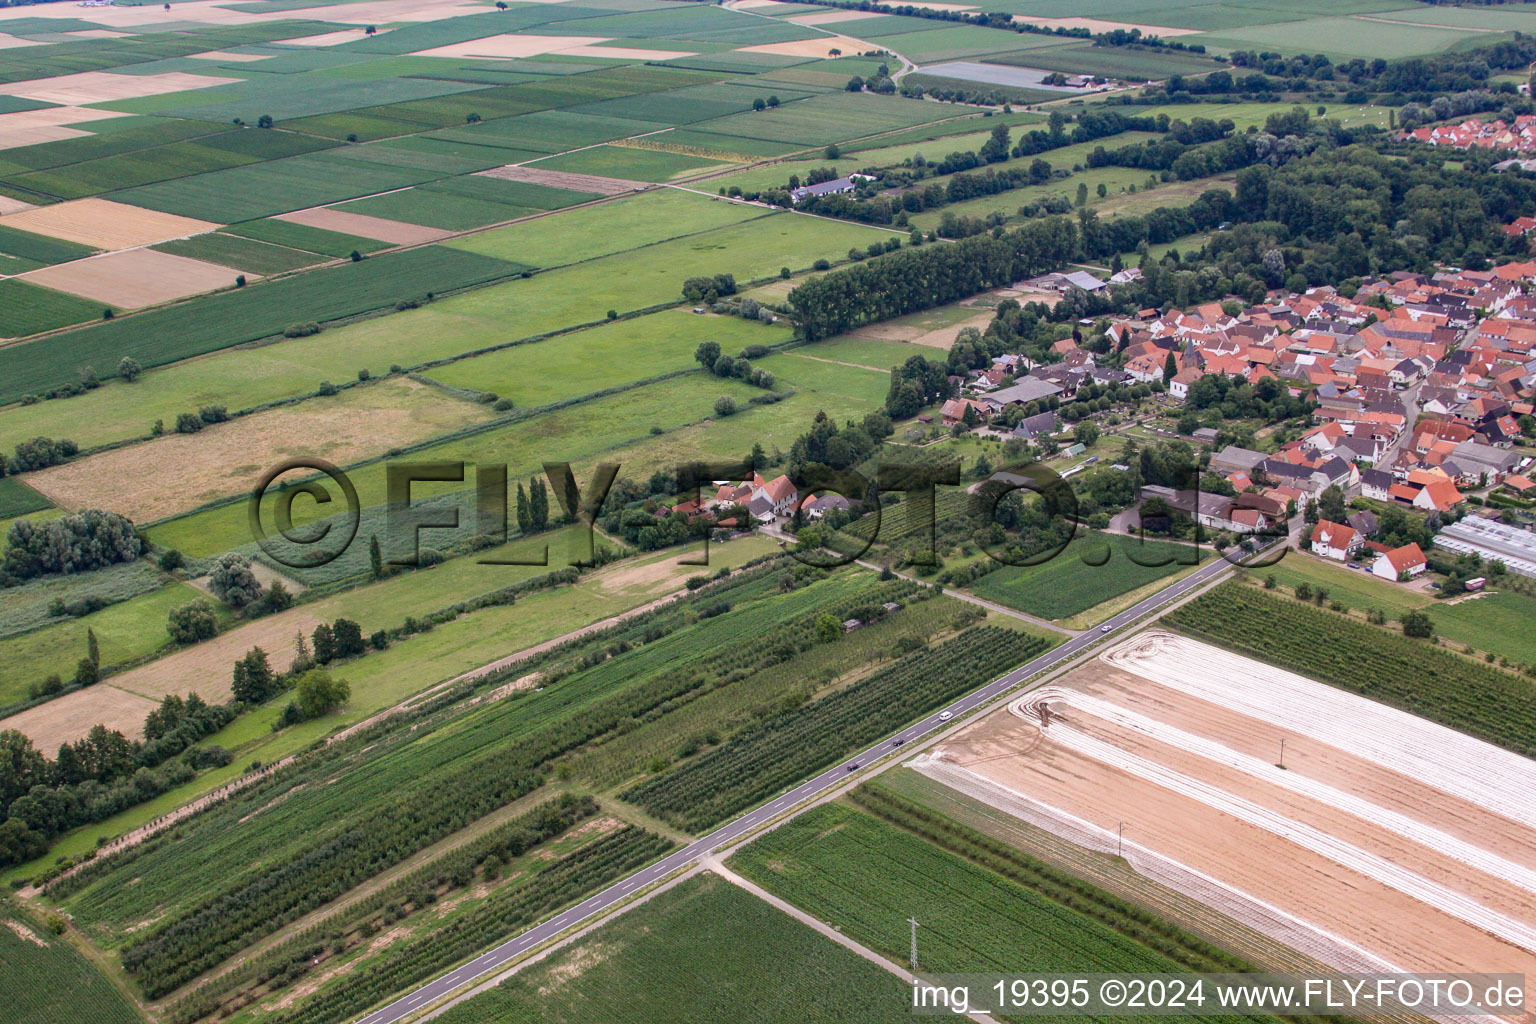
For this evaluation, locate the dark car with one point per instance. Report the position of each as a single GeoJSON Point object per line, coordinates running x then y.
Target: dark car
{"type": "Point", "coordinates": [854, 767]}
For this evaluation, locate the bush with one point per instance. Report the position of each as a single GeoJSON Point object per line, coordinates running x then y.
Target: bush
{"type": "Point", "coordinates": [188, 423]}
{"type": "Point", "coordinates": [301, 330]}
{"type": "Point", "coordinates": [193, 622]}
{"type": "Point", "coordinates": [213, 414]}
{"type": "Point", "coordinates": [725, 405]}
{"type": "Point", "coordinates": [503, 405]}
{"type": "Point", "coordinates": [233, 582]}
{"type": "Point", "coordinates": [74, 543]}
{"type": "Point", "coordinates": [129, 369]}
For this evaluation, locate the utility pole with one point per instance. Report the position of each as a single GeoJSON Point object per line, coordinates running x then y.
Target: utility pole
{"type": "Point", "coordinates": [1119, 838]}
{"type": "Point", "coordinates": [913, 922]}
{"type": "Point", "coordinates": [1282, 751]}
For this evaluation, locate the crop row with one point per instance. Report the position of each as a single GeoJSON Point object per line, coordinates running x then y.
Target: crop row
{"type": "Point", "coordinates": [407, 963]}
{"type": "Point", "coordinates": [298, 955]}
{"type": "Point", "coordinates": [1408, 674]}
{"type": "Point", "coordinates": [796, 742]}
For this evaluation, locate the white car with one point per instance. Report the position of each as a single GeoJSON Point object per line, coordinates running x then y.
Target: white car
{"type": "Point", "coordinates": [946, 716]}
{"type": "Point", "coordinates": [1105, 628]}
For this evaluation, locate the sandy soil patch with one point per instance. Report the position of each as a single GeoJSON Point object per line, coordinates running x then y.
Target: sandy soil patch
{"type": "Point", "coordinates": [1100, 25]}
{"type": "Point", "coordinates": [105, 224]}
{"type": "Point", "coordinates": [379, 11]}
{"type": "Point", "coordinates": [506, 46]}
{"type": "Point", "coordinates": [39, 135]}
{"type": "Point", "coordinates": [224, 56]}
{"type": "Point", "coordinates": [67, 718]}
{"type": "Point", "coordinates": [9, 205]}
{"type": "Point", "coordinates": [819, 47]}
{"type": "Point", "coordinates": [829, 17]}
{"type": "Point", "coordinates": [134, 18]}
{"type": "Point", "coordinates": [178, 472]}
{"type": "Point", "coordinates": [756, 5]}
{"type": "Point", "coordinates": [134, 278]}
{"type": "Point", "coordinates": [943, 7]}
{"type": "Point", "coordinates": [25, 934]}
{"type": "Point", "coordinates": [1385, 842]}
{"type": "Point", "coordinates": [395, 232]}
{"type": "Point", "coordinates": [562, 179]}
{"type": "Point", "coordinates": [103, 86]}
{"type": "Point", "coordinates": [624, 52]}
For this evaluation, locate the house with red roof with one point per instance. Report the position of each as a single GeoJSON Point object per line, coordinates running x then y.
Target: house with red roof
{"type": "Point", "coordinates": [1402, 563]}
{"type": "Point", "coordinates": [1335, 540]}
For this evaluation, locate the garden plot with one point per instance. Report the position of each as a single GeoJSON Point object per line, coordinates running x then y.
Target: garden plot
{"type": "Point", "coordinates": [1385, 842]}
{"type": "Point", "coordinates": [133, 278]}
{"type": "Point", "coordinates": [226, 459]}
{"type": "Point", "coordinates": [104, 224]}
{"type": "Point", "coordinates": [104, 87]}
{"type": "Point", "coordinates": [566, 180]}
{"type": "Point", "coordinates": [393, 231]}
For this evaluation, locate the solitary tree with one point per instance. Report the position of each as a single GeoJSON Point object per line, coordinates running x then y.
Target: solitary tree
{"type": "Point", "coordinates": [319, 692]}
{"type": "Point", "coordinates": [129, 369]}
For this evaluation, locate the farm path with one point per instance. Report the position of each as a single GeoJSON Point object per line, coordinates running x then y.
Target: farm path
{"type": "Point", "coordinates": [712, 862]}
{"type": "Point", "coordinates": [991, 606]}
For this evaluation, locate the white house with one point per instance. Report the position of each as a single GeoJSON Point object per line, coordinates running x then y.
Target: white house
{"type": "Point", "coordinates": [1335, 540]}
{"type": "Point", "coordinates": [1392, 565]}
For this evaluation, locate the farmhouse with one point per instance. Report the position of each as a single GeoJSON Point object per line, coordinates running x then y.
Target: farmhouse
{"type": "Point", "coordinates": [835, 187]}
{"type": "Point", "coordinates": [1334, 540]}
{"type": "Point", "coordinates": [1022, 393]}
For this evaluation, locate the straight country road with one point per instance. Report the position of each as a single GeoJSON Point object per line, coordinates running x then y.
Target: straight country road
{"type": "Point", "coordinates": [941, 718]}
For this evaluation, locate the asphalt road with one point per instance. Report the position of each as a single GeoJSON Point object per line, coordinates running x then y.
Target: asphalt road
{"type": "Point", "coordinates": [942, 718]}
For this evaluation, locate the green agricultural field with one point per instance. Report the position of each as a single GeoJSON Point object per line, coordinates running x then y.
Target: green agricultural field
{"type": "Point", "coordinates": [607, 228]}
{"type": "Point", "coordinates": [590, 360]}
{"type": "Point", "coordinates": [633, 164]}
{"type": "Point", "coordinates": [706, 952]}
{"type": "Point", "coordinates": [125, 631]}
{"type": "Point", "coordinates": [1490, 622]}
{"type": "Point", "coordinates": [833, 117]}
{"type": "Point", "coordinates": [40, 249]}
{"type": "Point", "coordinates": [28, 308]}
{"type": "Point", "coordinates": [245, 314]}
{"type": "Point", "coordinates": [878, 355]}
{"type": "Point", "coordinates": [854, 871]}
{"type": "Point", "coordinates": [237, 253]}
{"type": "Point", "coordinates": [1114, 179]}
{"type": "Point", "coordinates": [578, 433]}
{"type": "Point", "coordinates": [1110, 61]}
{"type": "Point", "coordinates": [847, 383]}
{"type": "Point", "coordinates": [1068, 584]}
{"type": "Point", "coordinates": [305, 238]}
{"type": "Point", "coordinates": [47, 980]}
{"type": "Point", "coordinates": [17, 499]}
{"type": "Point", "coordinates": [1347, 37]}
{"type": "Point", "coordinates": [435, 209]}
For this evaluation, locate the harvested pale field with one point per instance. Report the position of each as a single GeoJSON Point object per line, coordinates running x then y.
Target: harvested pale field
{"type": "Point", "coordinates": [1386, 843]}
{"type": "Point", "coordinates": [205, 668]}
{"type": "Point", "coordinates": [173, 474]}
{"type": "Point", "coordinates": [67, 718]}
{"type": "Point", "coordinates": [756, 5]}
{"type": "Point", "coordinates": [563, 179]}
{"type": "Point", "coordinates": [395, 232]}
{"type": "Point", "coordinates": [624, 53]}
{"type": "Point", "coordinates": [9, 205]}
{"type": "Point", "coordinates": [508, 46]}
{"type": "Point", "coordinates": [820, 47]}
{"type": "Point", "coordinates": [829, 17]}
{"type": "Point", "coordinates": [1100, 25]}
{"type": "Point", "coordinates": [102, 86]}
{"type": "Point", "coordinates": [133, 278]}
{"type": "Point", "coordinates": [30, 127]}
{"type": "Point", "coordinates": [132, 19]}
{"type": "Point", "coordinates": [227, 57]}
{"type": "Point", "coordinates": [346, 35]}
{"type": "Point", "coordinates": [8, 41]}
{"type": "Point", "coordinates": [378, 11]}
{"type": "Point", "coordinates": [943, 7]}
{"type": "Point", "coordinates": [104, 224]}
{"type": "Point", "coordinates": [941, 337]}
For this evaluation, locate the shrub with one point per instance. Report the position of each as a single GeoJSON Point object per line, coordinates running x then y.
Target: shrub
{"type": "Point", "coordinates": [303, 330]}
{"type": "Point", "coordinates": [193, 622]}
{"type": "Point", "coordinates": [725, 405]}
{"type": "Point", "coordinates": [213, 414]}
{"type": "Point", "coordinates": [233, 582]}
{"type": "Point", "coordinates": [188, 423]}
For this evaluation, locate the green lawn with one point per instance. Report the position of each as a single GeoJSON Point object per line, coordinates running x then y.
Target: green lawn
{"type": "Point", "coordinates": [706, 952]}
{"type": "Point", "coordinates": [244, 254]}
{"type": "Point", "coordinates": [1067, 584]}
